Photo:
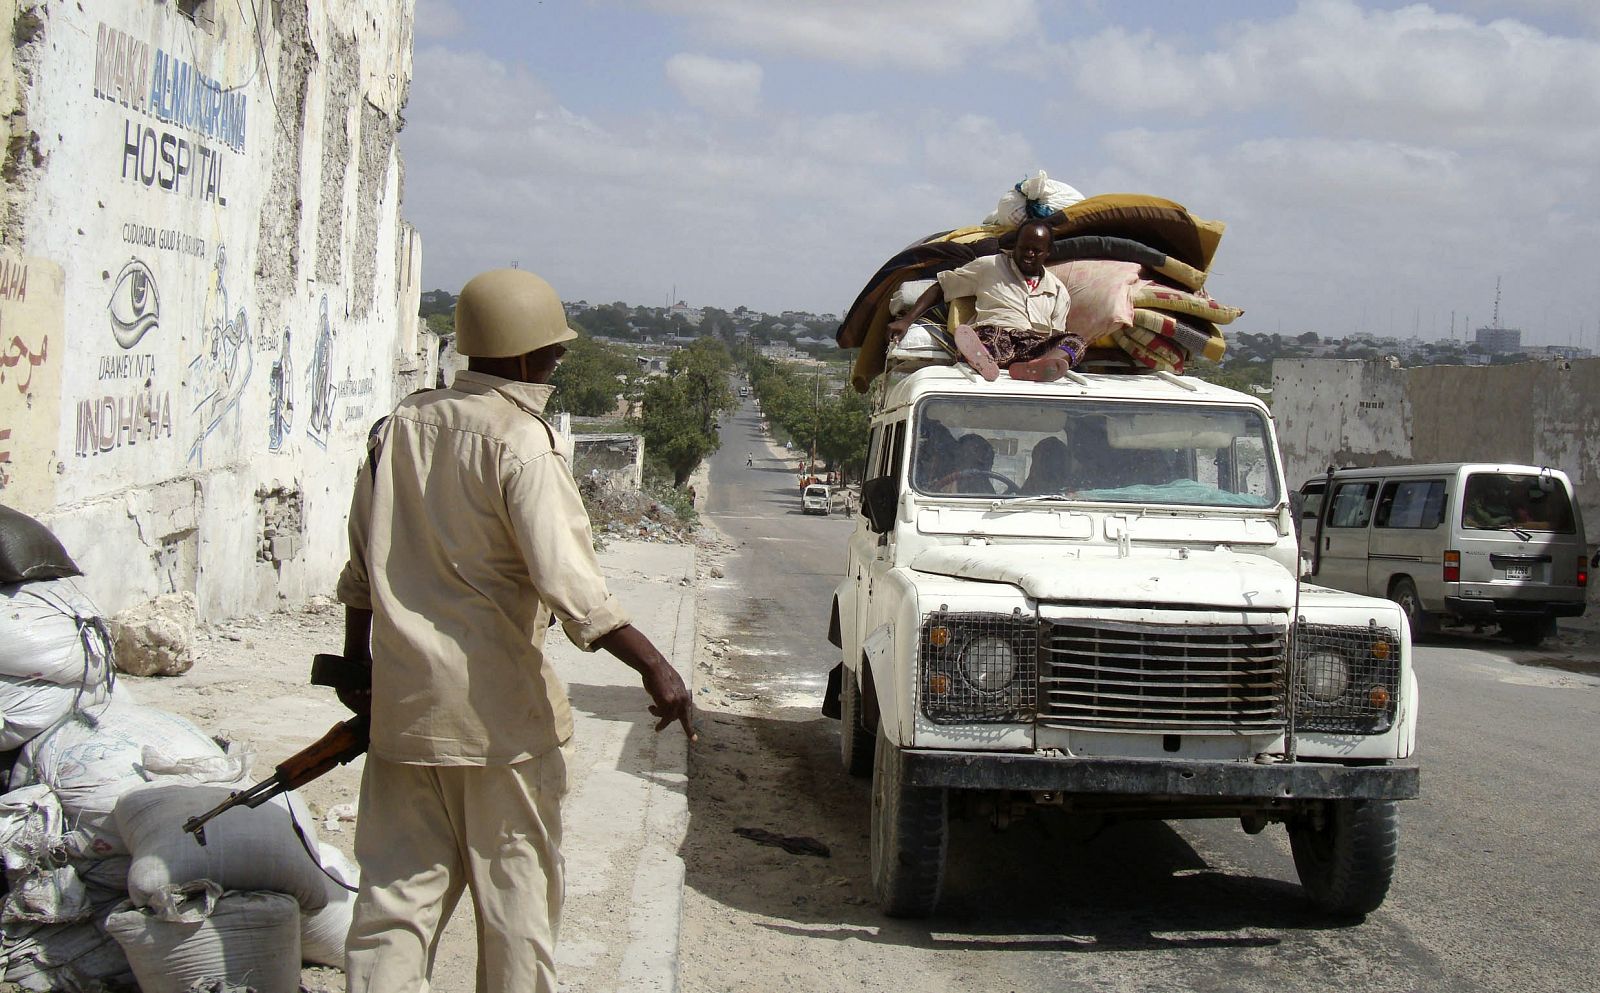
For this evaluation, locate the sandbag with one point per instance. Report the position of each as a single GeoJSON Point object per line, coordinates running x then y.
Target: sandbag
{"type": "Point", "coordinates": [73, 957]}
{"type": "Point", "coordinates": [245, 849]}
{"type": "Point", "coordinates": [29, 708]}
{"type": "Point", "coordinates": [245, 938]}
{"type": "Point", "coordinates": [40, 887]}
{"type": "Point", "coordinates": [322, 932]}
{"type": "Point", "coordinates": [50, 630]}
{"type": "Point", "coordinates": [29, 551]}
{"type": "Point", "coordinates": [95, 757]}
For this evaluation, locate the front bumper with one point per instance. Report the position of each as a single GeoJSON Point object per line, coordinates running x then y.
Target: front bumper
{"type": "Point", "coordinates": [1149, 778]}
{"type": "Point", "coordinates": [1472, 608]}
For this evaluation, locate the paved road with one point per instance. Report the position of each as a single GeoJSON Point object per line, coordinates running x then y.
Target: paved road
{"type": "Point", "coordinates": [1499, 875]}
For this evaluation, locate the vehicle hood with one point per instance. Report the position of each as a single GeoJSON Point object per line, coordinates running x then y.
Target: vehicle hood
{"type": "Point", "coordinates": [1202, 578]}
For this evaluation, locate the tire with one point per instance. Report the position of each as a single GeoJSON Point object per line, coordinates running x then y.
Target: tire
{"type": "Point", "coordinates": [910, 833]}
{"type": "Point", "coordinates": [1423, 624]}
{"type": "Point", "coordinates": [1528, 633]}
{"type": "Point", "coordinates": [1346, 865]}
{"type": "Point", "coordinates": [855, 741]}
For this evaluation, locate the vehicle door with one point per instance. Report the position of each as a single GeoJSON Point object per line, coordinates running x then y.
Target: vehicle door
{"type": "Point", "coordinates": [1345, 536]}
{"type": "Point", "coordinates": [878, 559]}
{"type": "Point", "coordinates": [862, 546]}
{"type": "Point", "coordinates": [1408, 540]}
{"type": "Point", "coordinates": [1311, 495]}
{"type": "Point", "coordinates": [1519, 537]}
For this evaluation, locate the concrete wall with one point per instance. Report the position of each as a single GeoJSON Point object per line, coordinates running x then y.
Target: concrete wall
{"type": "Point", "coordinates": [616, 460]}
{"type": "Point", "coordinates": [203, 258]}
{"type": "Point", "coordinates": [1353, 412]}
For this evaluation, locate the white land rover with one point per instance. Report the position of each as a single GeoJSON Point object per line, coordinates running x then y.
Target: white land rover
{"type": "Point", "coordinates": [1085, 593]}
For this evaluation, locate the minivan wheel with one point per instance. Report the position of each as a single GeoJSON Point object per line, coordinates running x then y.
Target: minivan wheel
{"type": "Point", "coordinates": [855, 741]}
{"type": "Point", "coordinates": [1422, 623]}
{"type": "Point", "coordinates": [910, 832]}
{"type": "Point", "coordinates": [1346, 858]}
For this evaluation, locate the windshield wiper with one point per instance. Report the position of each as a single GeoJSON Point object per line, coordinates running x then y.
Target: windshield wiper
{"type": "Point", "coordinates": [1524, 535]}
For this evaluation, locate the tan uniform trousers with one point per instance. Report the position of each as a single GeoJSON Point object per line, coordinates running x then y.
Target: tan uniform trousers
{"type": "Point", "coordinates": [423, 834]}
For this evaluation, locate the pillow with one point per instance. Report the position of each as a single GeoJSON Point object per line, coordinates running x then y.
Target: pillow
{"type": "Point", "coordinates": [1099, 289]}
{"type": "Point", "coordinates": [1148, 294]}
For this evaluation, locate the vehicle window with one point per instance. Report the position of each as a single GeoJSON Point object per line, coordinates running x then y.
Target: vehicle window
{"type": "Point", "coordinates": [1352, 505]}
{"type": "Point", "coordinates": [1411, 503]}
{"type": "Point", "coordinates": [1094, 451]}
{"type": "Point", "coordinates": [1312, 506]}
{"type": "Point", "coordinates": [1508, 501]}
{"type": "Point", "coordinates": [897, 451]}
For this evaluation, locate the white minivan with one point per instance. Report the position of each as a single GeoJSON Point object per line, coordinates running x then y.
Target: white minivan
{"type": "Point", "coordinates": [1476, 542]}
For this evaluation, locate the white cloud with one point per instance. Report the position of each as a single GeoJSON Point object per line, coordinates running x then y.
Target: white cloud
{"type": "Point", "coordinates": [716, 86]}
{"type": "Point", "coordinates": [918, 34]}
{"type": "Point", "coordinates": [438, 19]}
{"type": "Point", "coordinates": [977, 152]}
{"type": "Point", "coordinates": [1411, 74]}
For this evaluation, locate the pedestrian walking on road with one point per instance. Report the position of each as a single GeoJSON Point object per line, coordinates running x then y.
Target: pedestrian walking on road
{"type": "Point", "coordinates": [467, 540]}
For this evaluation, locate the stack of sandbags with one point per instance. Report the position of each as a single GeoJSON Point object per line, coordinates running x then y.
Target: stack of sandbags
{"type": "Point", "coordinates": [55, 652]}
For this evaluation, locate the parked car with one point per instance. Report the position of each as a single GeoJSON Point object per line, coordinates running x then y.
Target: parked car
{"type": "Point", "coordinates": [817, 499]}
{"type": "Point", "coordinates": [1502, 543]}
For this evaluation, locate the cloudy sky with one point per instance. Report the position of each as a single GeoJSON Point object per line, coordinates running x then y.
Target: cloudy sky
{"type": "Point", "coordinates": [1379, 165]}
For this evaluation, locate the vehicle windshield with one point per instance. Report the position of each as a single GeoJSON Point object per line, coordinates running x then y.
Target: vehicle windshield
{"type": "Point", "coordinates": [1509, 501]}
{"type": "Point", "coordinates": [816, 491]}
{"type": "Point", "coordinates": [1097, 451]}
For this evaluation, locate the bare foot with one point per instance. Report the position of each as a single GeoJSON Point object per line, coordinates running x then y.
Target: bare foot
{"type": "Point", "coordinates": [977, 356]}
{"type": "Point", "coordinates": [1044, 369]}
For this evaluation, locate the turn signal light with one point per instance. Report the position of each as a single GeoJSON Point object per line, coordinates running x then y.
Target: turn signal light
{"type": "Point", "coordinates": [1452, 567]}
{"type": "Point", "coordinates": [1380, 650]}
{"type": "Point", "coordinates": [938, 684]}
{"type": "Point", "coordinates": [1583, 571]}
{"type": "Point", "coordinates": [938, 637]}
{"type": "Point", "coordinates": [1378, 697]}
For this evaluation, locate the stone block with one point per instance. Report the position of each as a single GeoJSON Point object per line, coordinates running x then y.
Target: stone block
{"type": "Point", "coordinates": [155, 638]}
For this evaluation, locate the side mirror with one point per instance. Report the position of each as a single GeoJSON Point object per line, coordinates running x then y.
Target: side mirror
{"type": "Point", "coordinates": [878, 502]}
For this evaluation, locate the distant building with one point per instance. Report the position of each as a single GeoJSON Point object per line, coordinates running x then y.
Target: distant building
{"type": "Point", "coordinates": [1499, 341]}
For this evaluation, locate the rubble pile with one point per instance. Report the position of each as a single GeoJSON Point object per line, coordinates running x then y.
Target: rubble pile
{"type": "Point", "coordinates": [102, 886]}
{"type": "Point", "coordinates": [630, 515]}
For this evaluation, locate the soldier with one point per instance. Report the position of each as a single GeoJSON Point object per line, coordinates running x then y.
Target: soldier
{"type": "Point", "coordinates": [467, 540]}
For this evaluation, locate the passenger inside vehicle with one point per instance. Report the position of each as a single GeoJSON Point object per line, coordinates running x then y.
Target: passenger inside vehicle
{"type": "Point", "coordinates": [1047, 468]}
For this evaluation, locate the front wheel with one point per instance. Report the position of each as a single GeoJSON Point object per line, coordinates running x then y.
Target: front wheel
{"type": "Point", "coordinates": [1346, 857]}
{"type": "Point", "coordinates": [855, 741]}
{"type": "Point", "coordinates": [910, 831]}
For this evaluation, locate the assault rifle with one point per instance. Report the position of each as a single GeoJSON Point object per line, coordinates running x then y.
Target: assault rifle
{"type": "Point", "coordinates": [342, 744]}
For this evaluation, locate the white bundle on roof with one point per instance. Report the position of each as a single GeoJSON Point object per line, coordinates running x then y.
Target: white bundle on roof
{"type": "Point", "coordinates": [1034, 198]}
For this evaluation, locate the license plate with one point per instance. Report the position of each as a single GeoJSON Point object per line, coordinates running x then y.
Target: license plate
{"type": "Point", "coordinates": [1519, 572]}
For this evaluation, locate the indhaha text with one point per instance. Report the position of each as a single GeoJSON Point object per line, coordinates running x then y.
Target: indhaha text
{"type": "Point", "coordinates": [113, 421]}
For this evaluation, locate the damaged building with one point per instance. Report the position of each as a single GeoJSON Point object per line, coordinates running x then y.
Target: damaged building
{"type": "Point", "coordinates": [208, 291]}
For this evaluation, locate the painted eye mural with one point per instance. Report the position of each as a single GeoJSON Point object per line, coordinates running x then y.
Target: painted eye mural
{"type": "Point", "coordinates": [135, 305]}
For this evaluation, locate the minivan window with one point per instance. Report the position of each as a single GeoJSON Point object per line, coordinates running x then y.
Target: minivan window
{"type": "Point", "coordinates": [1510, 501]}
{"type": "Point", "coordinates": [1411, 503]}
{"type": "Point", "coordinates": [1311, 501]}
{"type": "Point", "coordinates": [1352, 505]}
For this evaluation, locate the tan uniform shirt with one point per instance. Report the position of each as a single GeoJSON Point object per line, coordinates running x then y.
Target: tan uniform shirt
{"type": "Point", "coordinates": [465, 539]}
{"type": "Point", "coordinates": [1003, 299]}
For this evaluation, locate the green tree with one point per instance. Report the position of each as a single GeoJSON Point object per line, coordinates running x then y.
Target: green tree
{"type": "Point", "coordinates": [590, 378]}
{"type": "Point", "coordinates": [678, 414]}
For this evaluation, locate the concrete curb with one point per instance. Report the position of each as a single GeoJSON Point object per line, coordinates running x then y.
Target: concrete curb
{"type": "Point", "coordinates": [627, 811]}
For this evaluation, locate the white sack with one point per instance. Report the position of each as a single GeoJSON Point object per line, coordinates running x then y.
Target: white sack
{"type": "Point", "coordinates": [40, 887]}
{"type": "Point", "coordinates": [1050, 194]}
{"type": "Point", "coordinates": [322, 932]}
{"type": "Point", "coordinates": [907, 294]}
{"type": "Point", "coordinates": [50, 630]}
{"type": "Point", "coordinates": [245, 938]}
{"type": "Point", "coordinates": [94, 758]}
{"type": "Point", "coordinates": [76, 958]}
{"type": "Point", "coordinates": [28, 708]}
{"type": "Point", "coordinates": [245, 849]}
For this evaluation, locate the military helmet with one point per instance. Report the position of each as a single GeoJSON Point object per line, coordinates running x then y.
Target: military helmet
{"type": "Point", "coordinates": [508, 312]}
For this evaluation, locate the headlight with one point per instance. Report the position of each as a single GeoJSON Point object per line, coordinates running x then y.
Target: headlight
{"type": "Point", "coordinates": [1327, 676]}
{"type": "Point", "coordinates": [988, 663]}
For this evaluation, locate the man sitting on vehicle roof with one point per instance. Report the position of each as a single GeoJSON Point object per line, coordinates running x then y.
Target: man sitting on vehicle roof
{"type": "Point", "coordinates": [1019, 314]}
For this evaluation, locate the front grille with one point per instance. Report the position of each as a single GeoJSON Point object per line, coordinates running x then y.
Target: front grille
{"type": "Point", "coordinates": [1356, 673]}
{"type": "Point", "coordinates": [968, 677]}
{"type": "Point", "coordinates": [1102, 675]}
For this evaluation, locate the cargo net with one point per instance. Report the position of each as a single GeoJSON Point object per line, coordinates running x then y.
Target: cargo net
{"type": "Point", "coordinates": [978, 667]}
{"type": "Point", "coordinates": [1346, 679]}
